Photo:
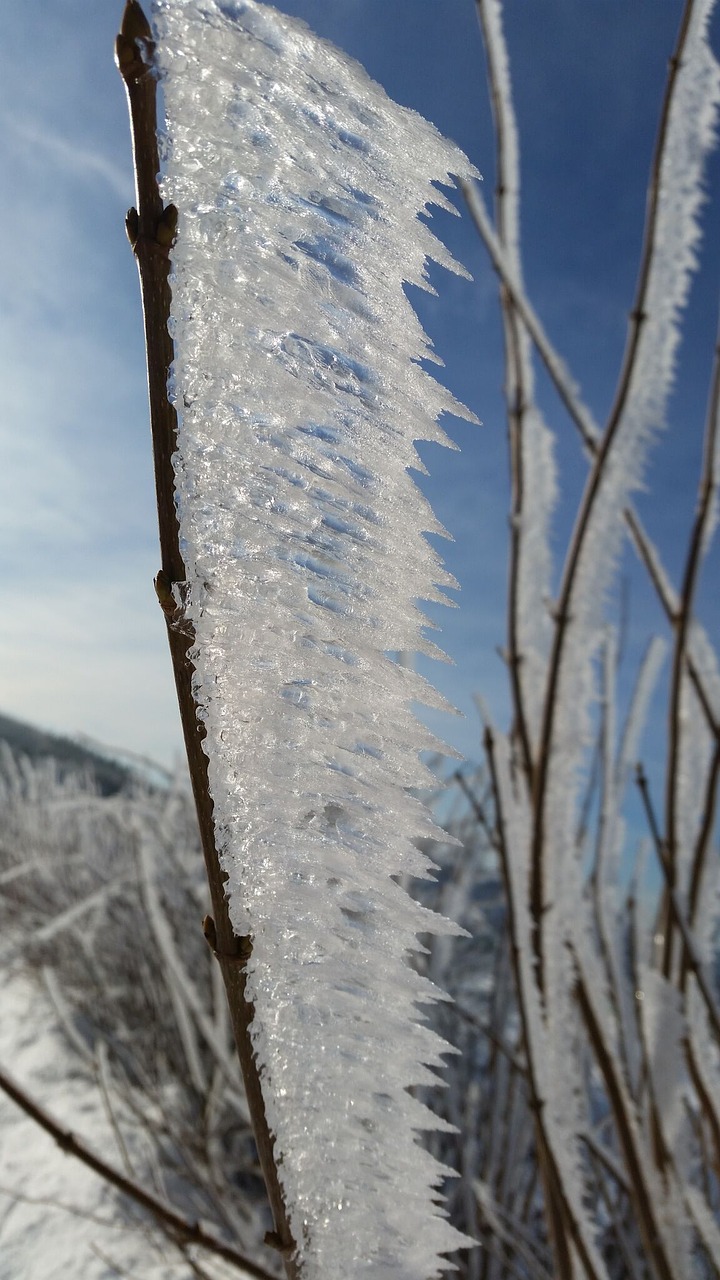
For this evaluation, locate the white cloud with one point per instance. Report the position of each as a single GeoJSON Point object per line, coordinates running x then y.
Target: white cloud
{"type": "Point", "coordinates": [67, 155]}
{"type": "Point", "coordinates": [90, 656]}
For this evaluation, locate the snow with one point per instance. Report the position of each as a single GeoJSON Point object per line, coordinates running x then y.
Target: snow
{"type": "Point", "coordinates": [57, 1218]}
{"type": "Point", "coordinates": [300, 393]}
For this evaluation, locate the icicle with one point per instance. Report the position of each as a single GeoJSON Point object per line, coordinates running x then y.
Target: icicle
{"type": "Point", "coordinates": [300, 392]}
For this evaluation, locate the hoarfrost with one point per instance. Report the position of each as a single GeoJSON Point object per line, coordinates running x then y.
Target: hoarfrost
{"type": "Point", "coordinates": [691, 134]}
{"type": "Point", "coordinates": [534, 464]}
{"type": "Point", "coordinates": [300, 394]}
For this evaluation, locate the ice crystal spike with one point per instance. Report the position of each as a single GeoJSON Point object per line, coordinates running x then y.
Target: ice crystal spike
{"type": "Point", "coordinates": [300, 391]}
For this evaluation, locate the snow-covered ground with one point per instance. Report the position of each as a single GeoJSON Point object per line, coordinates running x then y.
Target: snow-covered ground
{"type": "Point", "coordinates": [57, 1218]}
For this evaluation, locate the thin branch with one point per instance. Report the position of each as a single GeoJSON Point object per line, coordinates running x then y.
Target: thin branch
{"type": "Point", "coordinates": [612, 1209]}
{"type": "Point", "coordinates": [151, 229]}
{"type": "Point", "coordinates": [587, 506]}
{"type": "Point", "coordinates": [560, 1216]}
{"type": "Point", "coordinates": [708, 1104]}
{"type": "Point", "coordinates": [517, 374]}
{"type": "Point", "coordinates": [160, 1210]}
{"type": "Point", "coordinates": [692, 959]}
{"type": "Point", "coordinates": [499, 1043]}
{"type": "Point", "coordinates": [73, 1210]}
{"type": "Point", "coordinates": [562, 381]}
{"type": "Point", "coordinates": [702, 845]}
{"type": "Point", "coordinates": [640, 1193]}
{"type": "Point", "coordinates": [584, 422]}
{"type": "Point", "coordinates": [682, 625]}
{"type": "Point", "coordinates": [648, 806]}
{"type": "Point", "coordinates": [477, 807]}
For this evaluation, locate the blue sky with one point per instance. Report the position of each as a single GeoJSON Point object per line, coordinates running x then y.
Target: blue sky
{"type": "Point", "coordinates": [82, 645]}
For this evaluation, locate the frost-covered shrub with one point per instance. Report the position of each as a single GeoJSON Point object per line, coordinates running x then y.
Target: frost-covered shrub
{"type": "Point", "coordinates": [101, 900]}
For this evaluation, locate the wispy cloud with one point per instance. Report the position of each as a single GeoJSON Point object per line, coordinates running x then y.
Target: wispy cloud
{"type": "Point", "coordinates": [83, 161]}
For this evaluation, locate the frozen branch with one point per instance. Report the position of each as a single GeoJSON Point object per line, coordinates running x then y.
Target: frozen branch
{"type": "Point", "coordinates": [675, 768]}
{"type": "Point", "coordinates": [532, 465]}
{"type": "Point", "coordinates": [151, 230]}
{"type": "Point", "coordinates": [639, 400]}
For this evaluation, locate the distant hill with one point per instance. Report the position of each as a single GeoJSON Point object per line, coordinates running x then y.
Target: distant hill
{"type": "Point", "coordinates": [71, 757]}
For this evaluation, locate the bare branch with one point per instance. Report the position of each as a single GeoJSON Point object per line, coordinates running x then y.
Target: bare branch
{"type": "Point", "coordinates": [589, 502]}
{"type": "Point", "coordinates": [674, 770]}
{"type": "Point", "coordinates": [161, 1211]}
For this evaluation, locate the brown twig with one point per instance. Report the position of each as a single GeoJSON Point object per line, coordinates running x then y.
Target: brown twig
{"type": "Point", "coordinates": [702, 844]}
{"type": "Point", "coordinates": [676, 913]}
{"type": "Point", "coordinates": [587, 429]}
{"type": "Point", "coordinates": [640, 1193]}
{"type": "Point", "coordinates": [160, 1210]}
{"type": "Point", "coordinates": [506, 214]}
{"type": "Point", "coordinates": [151, 229]}
{"type": "Point", "coordinates": [563, 1227]}
{"type": "Point", "coordinates": [587, 506]}
{"type": "Point", "coordinates": [477, 807]}
{"type": "Point", "coordinates": [682, 624]}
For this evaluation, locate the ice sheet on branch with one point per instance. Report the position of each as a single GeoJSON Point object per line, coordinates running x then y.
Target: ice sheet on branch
{"type": "Point", "coordinates": [300, 392]}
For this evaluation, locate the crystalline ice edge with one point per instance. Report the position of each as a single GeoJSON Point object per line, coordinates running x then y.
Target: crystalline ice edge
{"type": "Point", "coordinates": [299, 391]}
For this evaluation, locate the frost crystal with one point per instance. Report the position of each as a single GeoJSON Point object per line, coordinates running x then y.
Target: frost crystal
{"type": "Point", "coordinates": [300, 392]}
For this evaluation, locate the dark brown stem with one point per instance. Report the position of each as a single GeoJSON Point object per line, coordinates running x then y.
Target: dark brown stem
{"type": "Point", "coordinates": [151, 229]}
{"type": "Point", "coordinates": [477, 808]}
{"type": "Point", "coordinates": [640, 1194]}
{"type": "Point", "coordinates": [181, 1228]}
{"type": "Point", "coordinates": [676, 914]}
{"type": "Point", "coordinates": [515, 389]}
{"type": "Point", "coordinates": [703, 842]}
{"type": "Point", "coordinates": [587, 507]}
{"type": "Point", "coordinates": [644, 789]}
{"type": "Point", "coordinates": [682, 624]}
{"type": "Point", "coordinates": [708, 1104]}
{"type": "Point", "coordinates": [562, 1225]}
{"type": "Point", "coordinates": [583, 421]}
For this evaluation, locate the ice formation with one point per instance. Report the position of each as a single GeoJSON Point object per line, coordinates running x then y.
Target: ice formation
{"type": "Point", "coordinates": [300, 393]}
{"type": "Point", "coordinates": [690, 135]}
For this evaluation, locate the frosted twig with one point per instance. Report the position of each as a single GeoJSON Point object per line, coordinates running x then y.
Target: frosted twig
{"type": "Point", "coordinates": [151, 229]}
{"type": "Point", "coordinates": [560, 376]}
{"type": "Point", "coordinates": [160, 1210]}
{"type": "Point", "coordinates": [492, 1036]}
{"type": "Point", "coordinates": [477, 808]}
{"type": "Point", "coordinates": [703, 843]}
{"type": "Point", "coordinates": [628, 1137]}
{"type": "Point", "coordinates": [53, 1202]}
{"type": "Point", "coordinates": [562, 1222]}
{"type": "Point", "coordinates": [511, 1234]}
{"type": "Point", "coordinates": [102, 1072]}
{"type": "Point", "coordinates": [606, 838]}
{"type": "Point", "coordinates": [584, 422]}
{"type": "Point", "coordinates": [698, 538]}
{"type": "Point", "coordinates": [614, 1215]}
{"type": "Point", "coordinates": [596, 486]}
{"type": "Point", "coordinates": [677, 915]}
{"type": "Point", "coordinates": [517, 374]}
{"type": "Point", "coordinates": [532, 465]}
{"type": "Point", "coordinates": [706, 499]}
{"type": "Point", "coordinates": [708, 1102]}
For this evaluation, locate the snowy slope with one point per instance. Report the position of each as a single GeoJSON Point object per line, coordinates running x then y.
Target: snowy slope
{"type": "Point", "coordinates": [88, 1237]}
